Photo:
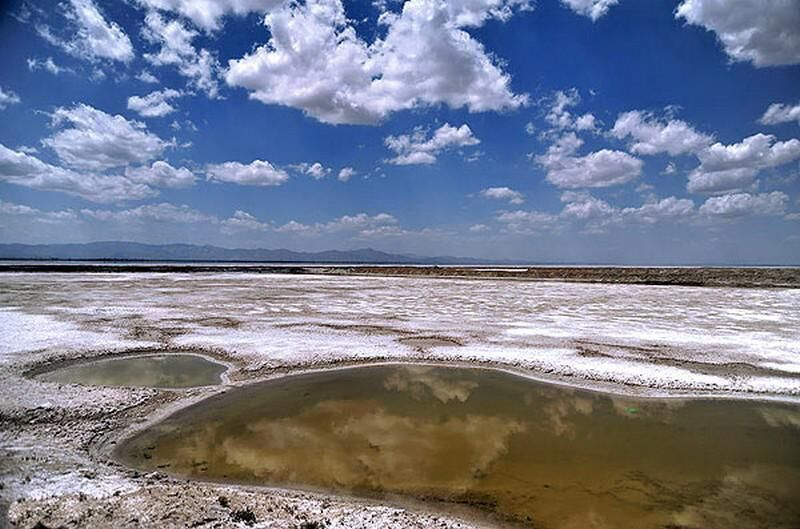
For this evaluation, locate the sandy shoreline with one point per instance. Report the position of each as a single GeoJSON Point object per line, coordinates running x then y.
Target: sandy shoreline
{"type": "Point", "coordinates": [56, 439]}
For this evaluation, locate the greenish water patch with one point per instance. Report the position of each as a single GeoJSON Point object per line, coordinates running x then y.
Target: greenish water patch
{"type": "Point", "coordinates": [545, 456]}
{"type": "Point", "coordinates": [158, 371]}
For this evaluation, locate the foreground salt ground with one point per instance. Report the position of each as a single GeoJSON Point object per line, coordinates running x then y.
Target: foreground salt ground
{"type": "Point", "coordinates": [620, 338]}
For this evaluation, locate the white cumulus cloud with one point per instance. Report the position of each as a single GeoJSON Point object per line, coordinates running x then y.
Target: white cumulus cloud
{"type": "Point", "coordinates": [8, 98]}
{"type": "Point", "coordinates": [176, 49]}
{"type": "Point", "coordinates": [601, 168]}
{"type": "Point", "coordinates": [47, 65]}
{"type": "Point", "coordinates": [161, 174]}
{"type": "Point", "coordinates": [780, 113]}
{"type": "Point", "coordinates": [651, 135]}
{"type": "Point", "coordinates": [346, 173]}
{"type": "Point", "coordinates": [587, 208]}
{"type": "Point", "coordinates": [316, 170]}
{"type": "Point", "coordinates": [764, 32]}
{"type": "Point", "coordinates": [149, 219]}
{"type": "Point", "coordinates": [316, 62]}
{"type": "Point", "coordinates": [208, 14]}
{"type": "Point", "coordinates": [161, 212]}
{"type": "Point", "coordinates": [745, 204]}
{"type": "Point", "coordinates": [503, 193]}
{"type": "Point", "coordinates": [243, 221]}
{"type": "Point", "coordinates": [147, 77]}
{"type": "Point", "coordinates": [725, 168]}
{"type": "Point", "coordinates": [655, 210]}
{"type": "Point", "coordinates": [362, 224]}
{"type": "Point", "coordinates": [526, 222]}
{"type": "Point", "coordinates": [93, 36]}
{"type": "Point", "coordinates": [9, 209]}
{"type": "Point", "coordinates": [95, 140]}
{"type": "Point", "coordinates": [26, 170]}
{"type": "Point", "coordinates": [560, 117]}
{"type": "Point", "coordinates": [595, 215]}
{"type": "Point", "coordinates": [417, 148]}
{"type": "Point", "coordinates": [256, 173]}
{"type": "Point", "coordinates": [155, 104]}
{"type": "Point", "coordinates": [593, 9]}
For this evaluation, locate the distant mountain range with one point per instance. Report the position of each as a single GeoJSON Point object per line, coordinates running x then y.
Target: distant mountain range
{"type": "Point", "coordinates": [132, 251]}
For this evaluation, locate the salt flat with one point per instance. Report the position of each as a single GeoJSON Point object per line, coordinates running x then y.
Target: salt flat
{"type": "Point", "coordinates": [662, 339]}
{"type": "Point", "coordinates": [639, 340]}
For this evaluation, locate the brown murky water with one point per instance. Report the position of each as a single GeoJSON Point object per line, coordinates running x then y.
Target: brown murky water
{"type": "Point", "coordinates": [158, 371]}
{"type": "Point", "coordinates": [541, 455]}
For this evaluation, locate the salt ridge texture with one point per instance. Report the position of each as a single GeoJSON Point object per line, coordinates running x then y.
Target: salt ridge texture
{"type": "Point", "coordinates": [674, 339]}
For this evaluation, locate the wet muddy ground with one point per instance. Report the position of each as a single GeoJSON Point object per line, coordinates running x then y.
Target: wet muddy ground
{"type": "Point", "coordinates": [56, 439]}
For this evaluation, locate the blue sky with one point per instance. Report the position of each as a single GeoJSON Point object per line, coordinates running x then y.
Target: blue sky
{"type": "Point", "coordinates": [553, 131]}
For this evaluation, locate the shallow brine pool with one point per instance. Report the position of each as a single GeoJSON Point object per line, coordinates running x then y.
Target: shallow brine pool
{"type": "Point", "coordinates": [541, 455]}
{"type": "Point", "coordinates": [158, 371]}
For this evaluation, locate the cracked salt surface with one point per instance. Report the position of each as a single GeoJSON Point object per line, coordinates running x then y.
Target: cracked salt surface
{"type": "Point", "coordinates": [678, 339]}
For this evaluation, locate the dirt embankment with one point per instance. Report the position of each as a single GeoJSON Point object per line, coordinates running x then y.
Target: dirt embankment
{"type": "Point", "coordinates": [749, 277]}
{"type": "Point", "coordinates": [684, 276]}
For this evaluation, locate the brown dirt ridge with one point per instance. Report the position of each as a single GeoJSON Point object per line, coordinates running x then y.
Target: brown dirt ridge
{"type": "Point", "coordinates": [741, 277]}
{"type": "Point", "coordinates": [681, 276]}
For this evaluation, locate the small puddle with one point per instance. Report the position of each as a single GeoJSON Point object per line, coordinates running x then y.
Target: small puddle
{"type": "Point", "coordinates": [157, 371]}
{"type": "Point", "coordinates": [545, 456]}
